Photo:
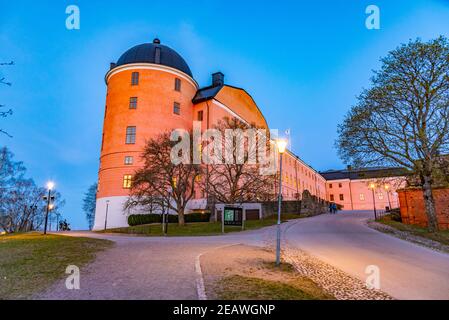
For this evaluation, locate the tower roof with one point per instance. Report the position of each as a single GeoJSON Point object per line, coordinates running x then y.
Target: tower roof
{"type": "Point", "coordinates": [154, 53]}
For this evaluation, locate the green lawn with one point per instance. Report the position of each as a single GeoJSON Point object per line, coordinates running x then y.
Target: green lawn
{"type": "Point", "coordinates": [440, 236]}
{"type": "Point", "coordinates": [197, 229]}
{"type": "Point", "coordinates": [31, 262]}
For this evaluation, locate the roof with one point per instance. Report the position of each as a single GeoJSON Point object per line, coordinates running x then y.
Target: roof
{"type": "Point", "coordinates": [365, 173]}
{"type": "Point", "coordinates": [154, 53]}
{"type": "Point", "coordinates": [206, 93]}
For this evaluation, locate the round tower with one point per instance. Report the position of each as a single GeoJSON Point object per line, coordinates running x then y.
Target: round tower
{"type": "Point", "coordinates": [149, 91]}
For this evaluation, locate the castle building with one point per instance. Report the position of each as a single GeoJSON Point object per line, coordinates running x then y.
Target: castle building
{"type": "Point", "coordinates": [151, 90]}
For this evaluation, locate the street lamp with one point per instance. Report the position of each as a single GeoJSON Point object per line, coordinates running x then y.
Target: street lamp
{"type": "Point", "coordinates": [281, 145]}
{"type": "Point", "coordinates": [50, 187]}
{"type": "Point", "coordinates": [387, 189]}
{"type": "Point", "coordinates": [106, 216]}
{"type": "Point", "coordinates": [372, 187]}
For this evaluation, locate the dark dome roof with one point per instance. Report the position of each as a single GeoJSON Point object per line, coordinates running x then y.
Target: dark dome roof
{"type": "Point", "coordinates": [147, 53]}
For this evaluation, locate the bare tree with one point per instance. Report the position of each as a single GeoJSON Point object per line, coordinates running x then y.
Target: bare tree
{"type": "Point", "coordinates": [89, 204]}
{"type": "Point", "coordinates": [21, 202]}
{"type": "Point", "coordinates": [403, 120]}
{"type": "Point", "coordinates": [239, 178]}
{"type": "Point", "coordinates": [4, 111]}
{"type": "Point", "coordinates": [160, 182]}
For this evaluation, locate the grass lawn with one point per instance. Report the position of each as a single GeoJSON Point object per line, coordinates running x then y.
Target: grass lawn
{"type": "Point", "coordinates": [440, 236]}
{"type": "Point", "coordinates": [198, 228]}
{"type": "Point", "coordinates": [288, 286]}
{"type": "Point", "coordinates": [31, 262]}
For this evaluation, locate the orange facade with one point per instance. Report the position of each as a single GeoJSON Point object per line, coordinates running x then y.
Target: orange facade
{"type": "Point", "coordinates": [152, 115]}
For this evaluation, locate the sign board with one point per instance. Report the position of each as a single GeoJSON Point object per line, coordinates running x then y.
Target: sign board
{"type": "Point", "coordinates": [233, 216]}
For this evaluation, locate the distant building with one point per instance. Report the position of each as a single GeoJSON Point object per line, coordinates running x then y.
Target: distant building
{"type": "Point", "coordinates": [361, 189]}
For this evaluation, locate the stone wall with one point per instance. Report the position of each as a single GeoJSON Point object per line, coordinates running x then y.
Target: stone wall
{"type": "Point", "coordinates": [413, 208]}
{"type": "Point", "coordinates": [306, 207]}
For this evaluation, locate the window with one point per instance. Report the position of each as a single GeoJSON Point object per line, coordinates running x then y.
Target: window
{"type": "Point", "coordinates": [330, 186]}
{"type": "Point", "coordinates": [200, 115]}
{"type": "Point", "coordinates": [178, 84]}
{"type": "Point", "coordinates": [332, 198]}
{"type": "Point", "coordinates": [135, 79]}
{"type": "Point", "coordinates": [133, 103]}
{"type": "Point", "coordinates": [130, 135]}
{"type": "Point", "coordinates": [127, 181]}
{"type": "Point", "coordinates": [381, 196]}
{"type": "Point", "coordinates": [129, 161]}
{"type": "Point", "coordinates": [176, 108]}
{"type": "Point", "coordinates": [342, 197]}
{"type": "Point", "coordinates": [340, 185]}
{"type": "Point", "coordinates": [362, 197]}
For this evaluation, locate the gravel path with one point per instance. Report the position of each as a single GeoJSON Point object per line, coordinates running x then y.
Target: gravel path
{"type": "Point", "coordinates": [145, 268]}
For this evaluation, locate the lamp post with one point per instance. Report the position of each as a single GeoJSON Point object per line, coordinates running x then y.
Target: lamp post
{"type": "Point", "coordinates": [281, 145]}
{"type": "Point", "coordinates": [50, 186]}
{"type": "Point", "coordinates": [372, 187]}
{"type": "Point", "coordinates": [387, 189]}
{"type": "Point", "coordinates": [106, 216]}
{"type": "Point", "coordinates": [165, 227]}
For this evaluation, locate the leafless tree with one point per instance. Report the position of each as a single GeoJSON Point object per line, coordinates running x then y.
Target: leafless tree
{"type": "Point", "coordinates": [4, 111]}
{"type": "Point", "coordinates": [403, 119]}
{"type": "Point", "coordinates": [21, 202]}
{"type": "Point", "coordinates": [160, 182]}
{"type": "Point", "coordinates": [239, 180]}
{"type": "Point", "coordinates": [89, 204]}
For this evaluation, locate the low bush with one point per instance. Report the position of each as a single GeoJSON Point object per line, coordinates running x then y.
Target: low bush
{"type": "Point", "coordinates": [141, 219]}
{"type": "Point", "coordinates": [395, 215]}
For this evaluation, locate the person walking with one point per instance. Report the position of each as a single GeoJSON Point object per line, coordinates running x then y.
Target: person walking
{"type": "Point", "coordinates": [334, 208]}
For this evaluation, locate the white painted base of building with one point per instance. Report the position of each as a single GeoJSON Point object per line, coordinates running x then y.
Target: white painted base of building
{"type": "Point", "coordinates": [117, 217]}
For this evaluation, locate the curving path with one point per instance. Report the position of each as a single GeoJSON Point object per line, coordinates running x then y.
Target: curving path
{"type": "Point", "coordinates": [407, 271]}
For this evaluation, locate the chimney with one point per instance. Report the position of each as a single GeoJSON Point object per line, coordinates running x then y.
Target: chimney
{"type": "Point", "coordinates": [217, 79]}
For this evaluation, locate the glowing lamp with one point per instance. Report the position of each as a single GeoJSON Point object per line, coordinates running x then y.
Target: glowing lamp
{"type": "Point", "coordinates": [50, 185]}
{"type": "Point", "coordinates": [282, 145]}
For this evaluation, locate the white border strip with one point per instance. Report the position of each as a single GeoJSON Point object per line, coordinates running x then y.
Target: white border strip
{"type": "Point", "coordinates": [151, 66]}
{"type": "Point", "coordinates": [200, 289]}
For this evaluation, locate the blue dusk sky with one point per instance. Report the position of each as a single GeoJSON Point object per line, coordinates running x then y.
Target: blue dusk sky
{"type": "Point", "coordinates": [304, 63]}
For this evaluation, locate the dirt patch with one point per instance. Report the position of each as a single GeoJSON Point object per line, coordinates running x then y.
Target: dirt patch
{"type": "Point", "coordinates": [249, 273]}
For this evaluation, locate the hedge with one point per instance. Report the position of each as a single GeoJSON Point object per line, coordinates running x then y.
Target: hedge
{"type": "Point", "coordinates": [140, 219]}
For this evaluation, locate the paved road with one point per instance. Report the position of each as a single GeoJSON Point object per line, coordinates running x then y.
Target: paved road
{"type": "Point", "coordinates": [407, 271]}
{"type": "Point", "coordinates": [164, 268]}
